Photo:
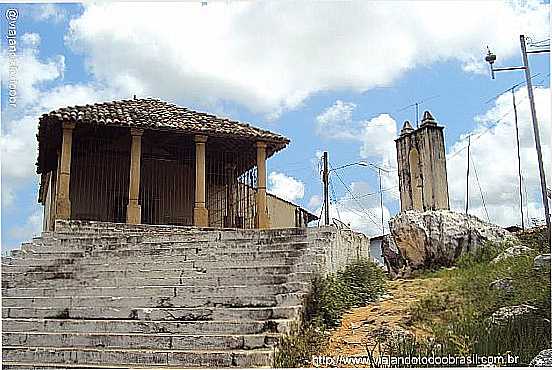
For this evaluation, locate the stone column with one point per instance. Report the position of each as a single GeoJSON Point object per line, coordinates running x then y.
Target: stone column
{"type": "Point", "coordinates": [262, 212]}
{"type": "Point", "coordinates": [201, 214]}
{"type": "Point", "coordinates": [134, 211]}
{"type": "Point", "coordinates": [63, 203]}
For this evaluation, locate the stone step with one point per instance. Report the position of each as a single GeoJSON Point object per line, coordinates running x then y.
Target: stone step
{"type": "Point", "coordinates": [157, 341]}
{"type": "Point", "coordinates": [129, 263]}
{"type": "Point", "coordinates": [158, 249]}
{"type": "Point", "coordinates": [108, 272]}
{"type": "Point", "coordinates": [147, 327]}
{"type": "Point", "coordinates": [167, 314]}
{"type": "Point", "coordinates": [128, 357]}
{"type": "Point", "coordinates": [155, 291]}
{"type": "Point", "coordinates": [192, 255]}
{"type": "Point", "coordinates": [46, 280]}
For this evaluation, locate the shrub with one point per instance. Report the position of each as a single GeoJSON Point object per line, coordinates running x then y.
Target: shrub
{"type": "Point", "coordinates": [358, 283]}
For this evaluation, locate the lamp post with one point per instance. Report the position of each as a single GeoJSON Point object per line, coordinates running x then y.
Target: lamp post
{"type": "Point", "coordinates": [491, 58]}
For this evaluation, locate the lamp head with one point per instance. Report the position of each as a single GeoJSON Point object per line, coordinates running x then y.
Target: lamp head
{"type": "Point", "coordinates": [490, 57]}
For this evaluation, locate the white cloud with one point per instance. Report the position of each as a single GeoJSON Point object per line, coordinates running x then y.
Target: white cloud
{"type": "Point", "coordinates": [48, 12]}
{"type": "Point", "coordinates": [493, 150]}
{"type": "Point", "coordinates": [271, 56]}
{"type": "Point", "coordinates": [31, 227]}
{"type": "Point", "coordinates": [285, 187]}
{"type": "Point", "coordinates": [314, 202]}
{"type": "Point", "coordinates": [336, 121]}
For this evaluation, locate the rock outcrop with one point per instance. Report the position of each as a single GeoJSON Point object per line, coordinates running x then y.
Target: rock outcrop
{"type": "Point", "coordinates": [516, 250]}
{"type": "Point", "coordinates": [542, 261]}
{"type": "Point", "coordinates": [437, 238]}
{"type": "Point", "coordinates": [544, 359]}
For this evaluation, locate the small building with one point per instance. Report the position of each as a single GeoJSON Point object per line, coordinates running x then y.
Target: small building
{"type": "Point", "coordinates": [148, 161]}
{"type": "Point", "coordinates": [422, 166]}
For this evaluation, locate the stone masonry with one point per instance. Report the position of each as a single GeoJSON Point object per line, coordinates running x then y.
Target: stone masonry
{"type": "Point", "coordinates": [104, 295]}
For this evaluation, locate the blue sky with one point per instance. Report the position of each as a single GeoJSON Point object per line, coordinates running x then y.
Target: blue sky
{"type": "Point", "coordinates": [281, 67]}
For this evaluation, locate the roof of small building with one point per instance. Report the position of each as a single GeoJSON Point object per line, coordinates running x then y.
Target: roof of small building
{"type": "Point", "coordinates": [159, 115]}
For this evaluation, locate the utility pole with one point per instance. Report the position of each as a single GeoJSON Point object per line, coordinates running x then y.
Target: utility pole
{"type": "Point", "coordinates": [491, 58]}
{"type": "Point", "coordinates": [325, 180]}
{"type": "Point", "coordinates": [468, 177]}
{"type": "Point", "coordinates": [519, 159]}
{"type": "Point", "coordinates": [535, 129]}
{"type": "Point", "coordinates": [381, 203]}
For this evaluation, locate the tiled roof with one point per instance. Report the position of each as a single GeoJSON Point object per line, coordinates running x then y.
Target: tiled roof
{"type": "Point", "coordinates": [156, 114]}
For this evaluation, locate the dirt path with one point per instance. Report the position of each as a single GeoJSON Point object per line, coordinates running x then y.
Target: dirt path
{"type": "Point", "coordinates": [358, 327]}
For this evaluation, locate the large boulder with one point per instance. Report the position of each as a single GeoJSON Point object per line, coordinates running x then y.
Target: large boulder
{"type": "Point", "coordinates": [437, 238]}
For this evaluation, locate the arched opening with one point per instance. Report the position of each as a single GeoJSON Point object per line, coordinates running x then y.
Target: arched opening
{"type": "Point", "coordinates": [415, 179]}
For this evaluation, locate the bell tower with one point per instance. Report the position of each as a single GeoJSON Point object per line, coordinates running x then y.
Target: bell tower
{"type": "Point", "coordinates": [422, 166]}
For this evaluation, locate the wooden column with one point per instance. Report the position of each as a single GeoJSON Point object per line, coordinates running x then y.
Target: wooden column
{"type": "Point", "coordinates": [63, 203]}
{"type": "Point", "coordinates": [134, 211]}
{"type": "Point", "coordinates": [201, 214]}
{"type": "Point", "coordinates": [262, 212]}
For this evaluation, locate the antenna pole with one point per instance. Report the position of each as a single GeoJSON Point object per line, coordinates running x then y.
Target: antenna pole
{"type": "Point", "coordinates": [468, 177]}
{"type": "Point", "coordinates": [381, 203]}
{"type": "Point", "coordinates": [519, 159]}
{"type": "Point", "coordinates": [416, 114]}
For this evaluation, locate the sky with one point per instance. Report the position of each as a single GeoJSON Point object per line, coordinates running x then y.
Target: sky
{"type": "Point", "coordinates": [340, 77]}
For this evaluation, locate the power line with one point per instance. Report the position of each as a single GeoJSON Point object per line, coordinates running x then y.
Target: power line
{"type": "Point", "coordinates": [334, 198]}
{"type": "Point", "coordinates": [493, 125]}
{"type": "Point", "coordinates": [480, 190]}
{"type": "Point", "coordinates": [358, 202]}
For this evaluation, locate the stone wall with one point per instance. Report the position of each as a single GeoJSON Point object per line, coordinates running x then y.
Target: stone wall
{"type": "Point", "coordinates": [337, 247]}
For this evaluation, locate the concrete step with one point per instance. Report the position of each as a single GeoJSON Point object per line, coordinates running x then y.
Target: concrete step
{"type": "Point", "coordinates": [168, 313]}
{"type": "Point", "coordinates": [157, 341]}
{"type": "Point", "coordinates": [128, 357]}
{"type": "Point", "coordinates": [147, 327]}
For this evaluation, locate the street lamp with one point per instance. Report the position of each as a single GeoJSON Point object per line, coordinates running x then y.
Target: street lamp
{"type": "Point", "coordinates": [491, 58]}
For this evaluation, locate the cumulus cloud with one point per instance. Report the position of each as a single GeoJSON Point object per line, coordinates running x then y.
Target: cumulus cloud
{"type": "Point", "coordinates": [494, 158]}
{"type": "Point", "coordinates": [376, 137]}
{"type": "Point", "coordinates": [285, 187]}
{"type": "Point", "coordinates": [31, 227]}
{"type": "Point", "coordinates": [47, 12]}
{"type": "Point", "coordinates": [336, 121]}
{"type": "Point", "coordinates": [271, 56]}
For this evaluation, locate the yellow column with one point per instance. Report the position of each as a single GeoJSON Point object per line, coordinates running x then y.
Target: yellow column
{"type": "Point", "coordinates": [134, 212]}
{"type": "Point", "coordinates": [262, 212]}
{"type": "Point", "coordinates": [201, 214]}
{"type": "Point", "coordinates": [63, 203]}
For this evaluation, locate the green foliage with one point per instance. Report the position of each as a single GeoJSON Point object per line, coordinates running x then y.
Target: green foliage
{"type": "Point", "coordinates": [358, 283]}
{"type": "Point", "coordinates": [458, 313]}
{"type": "Point", "coordinates": [297, 348]}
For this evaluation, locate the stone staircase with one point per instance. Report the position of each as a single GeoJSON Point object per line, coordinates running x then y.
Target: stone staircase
{"type": "Point", "coordinates": [102, 295]}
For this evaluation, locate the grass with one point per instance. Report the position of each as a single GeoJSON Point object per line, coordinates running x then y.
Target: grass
{"type": "Point", "coordinates": [358, 283]}
{"type": "Point", "coordinates": [458, 312]}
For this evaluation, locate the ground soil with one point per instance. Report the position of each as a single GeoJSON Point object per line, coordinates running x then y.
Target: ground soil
{"type": "Point", "coordinates": [359, 327]}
